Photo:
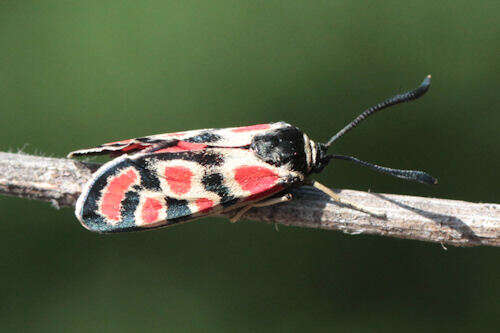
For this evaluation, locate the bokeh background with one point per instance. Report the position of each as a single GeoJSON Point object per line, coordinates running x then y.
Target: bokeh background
{"type": "Point", "coordinates": [78, 73]}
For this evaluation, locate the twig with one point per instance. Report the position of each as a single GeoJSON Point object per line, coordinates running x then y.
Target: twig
{"type": "Point", "coordinates": [452, 222]}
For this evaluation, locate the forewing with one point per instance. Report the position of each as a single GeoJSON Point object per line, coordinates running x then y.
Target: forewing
{"type": "Point", "coordinates": [183, 141]}
{"type": "Point", "coordinates": [160, 189]}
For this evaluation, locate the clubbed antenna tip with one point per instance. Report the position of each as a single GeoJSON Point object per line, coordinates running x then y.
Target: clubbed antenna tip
{"type": "Point", "coordinates": [424, 86]}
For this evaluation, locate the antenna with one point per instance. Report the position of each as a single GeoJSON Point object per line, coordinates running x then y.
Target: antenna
{"type": "Point", "coordinates": [400, 98]}
{"type": "Point", "coordinates": [414, 175]}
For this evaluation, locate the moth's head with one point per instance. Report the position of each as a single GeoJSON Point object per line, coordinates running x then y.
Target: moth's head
{"type": "Point", "coordinates": [323, 158]}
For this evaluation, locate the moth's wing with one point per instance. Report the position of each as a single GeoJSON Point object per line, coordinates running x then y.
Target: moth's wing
{"type": "Point", "coordinates": [152, 190]}
{"type": "Point", "coordinates": [182, 141]}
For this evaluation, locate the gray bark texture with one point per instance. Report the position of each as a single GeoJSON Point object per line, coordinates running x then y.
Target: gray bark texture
{"type": "Point", "coordinates": [453, 222]}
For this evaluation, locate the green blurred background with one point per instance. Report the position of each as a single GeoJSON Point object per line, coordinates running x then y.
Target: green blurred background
{"type": "Point", "coordinates": [75, 74]}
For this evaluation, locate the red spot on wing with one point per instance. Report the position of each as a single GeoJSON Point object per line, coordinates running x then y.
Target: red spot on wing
{"type": "Point", "coordinates": [114, 194]}
{"type": "Point", "coordinates": [134, 146]}
{"type": "Point", "coordinates": [150, 210]}
{"type": "Point", "coordinates": [255, 179]}
{"type": "Point", "coordinates": [173, 149]}
{"type": "Point", "coordinates": [252, 128]}
{"type": "Point", "coordinates": [191, 145]}
{"type": "Point", "coordinates": [128, 149]}
{"type": "Point", "coordinates": [204, 204]}
{"type": "Point", "coordinates": [179, 179]}
{"type": "Point", "coordinates": [183, 146]}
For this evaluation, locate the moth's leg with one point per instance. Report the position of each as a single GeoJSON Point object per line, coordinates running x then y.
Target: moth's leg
{"type": "Point", "coordinates": [338, 199]}
{"type": "Point", "coordinates": [263, 203]}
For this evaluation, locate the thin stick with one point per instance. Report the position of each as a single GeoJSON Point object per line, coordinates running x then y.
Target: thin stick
{"type": "Point", "coordinates": [452, 222]}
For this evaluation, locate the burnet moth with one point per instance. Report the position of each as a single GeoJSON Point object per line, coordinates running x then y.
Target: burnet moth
{"type": "Point", "coordinates": [165, 179]}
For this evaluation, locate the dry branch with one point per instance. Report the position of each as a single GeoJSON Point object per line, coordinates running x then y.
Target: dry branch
{"type": "Point", "coordinates": [435, 220]}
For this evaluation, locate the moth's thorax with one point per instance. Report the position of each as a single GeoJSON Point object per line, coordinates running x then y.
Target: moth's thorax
{"type": "Point", "coordinates": [287, 147]}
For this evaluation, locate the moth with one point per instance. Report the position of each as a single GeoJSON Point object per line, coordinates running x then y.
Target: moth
{"type": "Point", "coordinates": [161, 180]}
